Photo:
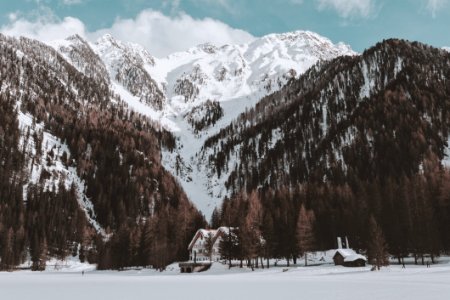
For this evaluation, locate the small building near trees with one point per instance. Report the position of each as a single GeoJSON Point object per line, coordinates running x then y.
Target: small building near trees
{"type": "Point", "coordinates": [202, 240]}
{"type": "Point", "coordinates": [348, 257]}
{"type": "Point", "coordinates": [203, 249]}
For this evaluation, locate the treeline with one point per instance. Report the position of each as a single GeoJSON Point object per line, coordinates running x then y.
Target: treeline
{"type": "Point", "coordinates": [411, 217]}
{"type": "Point", "coordinates": [155, 242]}
{"type": "Point", "coordinates": [114, 150]}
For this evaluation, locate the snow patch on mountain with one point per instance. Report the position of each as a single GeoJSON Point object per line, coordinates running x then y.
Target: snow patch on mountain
{"type": "Point", "coordinates": [446, 160]}
{"type": "Point", "coordinates": [205, 190]}
{"type": "Point", "coordinates": [48, 157]}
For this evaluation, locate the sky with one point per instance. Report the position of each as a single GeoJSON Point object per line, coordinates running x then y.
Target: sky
{"type": "Point", "coordinates": [167, 26]}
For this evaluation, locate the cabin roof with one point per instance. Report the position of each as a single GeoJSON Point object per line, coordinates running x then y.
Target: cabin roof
{"type": "Point", "coordinates": [349, 255]}
{"type": "Point", "coordinates": [215, 234]}
{"type": "Point", "coordinates": [202, 233]}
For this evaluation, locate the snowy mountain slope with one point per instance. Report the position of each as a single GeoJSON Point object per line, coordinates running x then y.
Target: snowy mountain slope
{"type": "Point", "coordinates": [237, 76]}
{"type": "Point", "coordinates": [48, 162]}
{"type": "Point", "coordinates": [81, 55]}
{"type": "Point", "coordinates": [125, 63]}
{"type": "Point", "coordinates": [175, 89]}
{"type": "Point", "coordinates": [207, 72]}
{"type": "Point", "coordinates": [376, 115]}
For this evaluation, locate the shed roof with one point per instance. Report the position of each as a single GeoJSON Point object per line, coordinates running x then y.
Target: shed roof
{"type": "Point", "coordinates": [349, 255]}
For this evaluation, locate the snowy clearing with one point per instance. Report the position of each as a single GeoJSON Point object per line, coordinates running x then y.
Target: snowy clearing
{"type": "Point", "coordinates": [322, 282]}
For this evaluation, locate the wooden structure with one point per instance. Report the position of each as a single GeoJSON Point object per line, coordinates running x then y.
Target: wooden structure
{"type": "Point", "coordinates": [348, 258]}
{"type": "Point", "coordinates": [190, 267]}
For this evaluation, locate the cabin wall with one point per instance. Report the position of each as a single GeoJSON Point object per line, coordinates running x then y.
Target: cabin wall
{"type": "Point", "coordinates": [338, 260]}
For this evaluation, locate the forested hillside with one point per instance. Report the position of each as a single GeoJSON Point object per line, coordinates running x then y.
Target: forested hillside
{"type": "Point", "coordinates": [356, 146]}
{"type": "Point", "coordinates": [353, 137]}
{"type": "Point", "coordinates": [80, 172]}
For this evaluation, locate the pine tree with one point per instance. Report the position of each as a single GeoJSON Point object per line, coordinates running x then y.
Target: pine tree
{"type": "Point", "coordinates": [209, 243]}
{"type": "Point", "coordinates": [215, 219]}
{"type": "Point", "coordinates": [229, 246]}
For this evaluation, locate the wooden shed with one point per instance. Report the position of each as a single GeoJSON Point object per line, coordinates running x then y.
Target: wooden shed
{"type": "Point", "coordinates": [348, 258]}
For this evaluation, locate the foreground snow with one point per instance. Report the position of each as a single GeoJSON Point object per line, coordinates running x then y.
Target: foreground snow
{"type": "Point", "coordinates": [322, 282]}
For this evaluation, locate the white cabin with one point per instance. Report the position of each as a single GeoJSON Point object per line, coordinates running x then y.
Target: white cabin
{"type": "Point", "coordinates": [197, 247]}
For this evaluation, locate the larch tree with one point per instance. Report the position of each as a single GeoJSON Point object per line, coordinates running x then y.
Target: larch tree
{"type": "Point", "coordinates": [251, 228]}
{"type": "Point", "coordinates": [377, 247]}
{"type": "Point", "coordinates": [305, 232]}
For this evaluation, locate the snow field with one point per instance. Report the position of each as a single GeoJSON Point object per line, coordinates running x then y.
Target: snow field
{"type": "Point", "coordinates": [322, 282]}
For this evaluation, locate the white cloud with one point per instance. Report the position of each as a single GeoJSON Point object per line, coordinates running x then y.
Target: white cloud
{"type": "Point", "coordinates": [349, 8]}
{"type": "Point", "coordinates": [433, 6]}
{"type": "Point", "coordinates": [160, 34]}
{"type": "Point", "coordinates": [45, 29]}
{"type": "Point", "coordinates": [13, 16]}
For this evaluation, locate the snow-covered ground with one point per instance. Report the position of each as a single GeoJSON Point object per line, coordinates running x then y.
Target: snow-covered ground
{"type": "Point", "coordinates": [319, 282]}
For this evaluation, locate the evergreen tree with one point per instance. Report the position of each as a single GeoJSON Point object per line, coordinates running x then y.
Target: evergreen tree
{"type": "Point", "coordinates": [229, 246]}
{"type": "Point", "coordinates": [209, 243]}
{"type": "Point", "coordinates": [215, 219]}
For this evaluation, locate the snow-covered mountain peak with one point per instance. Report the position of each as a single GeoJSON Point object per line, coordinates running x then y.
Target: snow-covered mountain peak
{"type": "Point", "coordinates": [295, 36]}
{"type": "Point", "coordinates": [77, 39]}
{"type": "Point", "coordinates": [301, 43]}
{"type": "Point", "coordinates": [126, 63]}
{"type": "Point", "coordinates": [132, 51]}
{"type": "Point", "coordinates": [207, 48]}
{"type": "Point", "coordinates": [446, 49]}
{"type": "Point", "coordinates": [207, 72]}
{"type": "Point", "coordinates": [80, 54]}
{"type": "Point", "coordinates": [216, 85]}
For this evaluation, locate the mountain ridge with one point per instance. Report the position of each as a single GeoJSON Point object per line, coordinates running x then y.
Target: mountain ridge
{"type": "Point", "coordinates": [171, 90]}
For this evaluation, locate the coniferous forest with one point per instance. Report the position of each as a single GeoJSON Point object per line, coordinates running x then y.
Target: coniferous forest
{"type": "Point", "coordinates": [140, 207]}
{"type": "Point", "coordinates": [323, 153]}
